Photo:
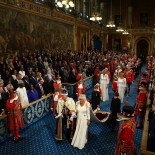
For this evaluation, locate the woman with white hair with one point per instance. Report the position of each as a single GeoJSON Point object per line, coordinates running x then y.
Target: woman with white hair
{"type": "Point", "coordinates": [83, 120]}
{"type": "Point", "coordinates": [121, 84]}
{"type": "Point", "coordinates": [104, 82]}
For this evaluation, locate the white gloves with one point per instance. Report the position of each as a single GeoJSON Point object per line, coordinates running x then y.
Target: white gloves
{"type": "Point", "coordinates": [73, 116]}
{"type": "Point", "coordinates": [59, 115]}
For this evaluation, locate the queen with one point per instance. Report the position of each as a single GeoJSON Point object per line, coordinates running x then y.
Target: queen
{"type": "Point", "coordinates": [83, 120]}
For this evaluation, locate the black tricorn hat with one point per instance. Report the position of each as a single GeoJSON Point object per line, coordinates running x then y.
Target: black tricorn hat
{"type": "Point", "coordinates": [128, 111]}
{"type": "Point", "coordinates": [64, 92]}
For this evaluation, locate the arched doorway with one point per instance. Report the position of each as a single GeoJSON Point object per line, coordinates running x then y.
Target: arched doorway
{"type": "Point", "coordinates": [142, 49]}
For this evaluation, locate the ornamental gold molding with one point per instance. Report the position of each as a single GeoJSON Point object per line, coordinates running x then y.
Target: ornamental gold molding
{"type": "Point", "coordinates": [63, 17]}
{"type": "Point", "coordinates": [39, 10]}
{"type": "Point", "coordinates": [138, 31]}
{"type": "Point", "coordinates": [49, 13]}
{"type": "Point", "coordinates": [83, 23]}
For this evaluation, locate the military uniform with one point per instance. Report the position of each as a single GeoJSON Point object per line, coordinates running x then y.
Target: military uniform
{"type": "Point", "coordinates": [129, 75]}
{"type": "Point", "coordinates": [140, 106]}
{"type": "Point", "coordinates": [125, 140]}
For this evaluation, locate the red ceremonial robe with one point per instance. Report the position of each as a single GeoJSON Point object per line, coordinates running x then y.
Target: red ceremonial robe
{"type": "Point", "coordinates": [15, 118]}
{"type": "Point", "coordinates": [125, 139]}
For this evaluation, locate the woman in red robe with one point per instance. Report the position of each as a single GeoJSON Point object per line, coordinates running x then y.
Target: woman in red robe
{"type": "Point", "coordinates": [80, 88]}
{"type": "Point", "coordinates": [15, 118]}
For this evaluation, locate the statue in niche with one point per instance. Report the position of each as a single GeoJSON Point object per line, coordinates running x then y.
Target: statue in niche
{"type": "Point", "coordinates": [83, 41]}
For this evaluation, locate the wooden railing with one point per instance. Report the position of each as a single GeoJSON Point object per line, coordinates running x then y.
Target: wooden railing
{"type": "Point", "coordinates": [39, 108]}
{"type": "Point", "coordinates": [88, 82]}
{"type": "Point", "coordinates": [31, 113]}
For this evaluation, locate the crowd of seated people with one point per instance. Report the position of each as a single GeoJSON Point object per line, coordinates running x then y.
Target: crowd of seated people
{"type": "Point", "coordinates": [36, 72]}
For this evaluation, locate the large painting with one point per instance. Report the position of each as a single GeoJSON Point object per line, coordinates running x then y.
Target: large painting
{"type": "Point", "coordinates": [20, 31]}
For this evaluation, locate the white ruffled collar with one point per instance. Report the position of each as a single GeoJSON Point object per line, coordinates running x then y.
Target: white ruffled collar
{"type": "Point", "coordinates": [11, 101]}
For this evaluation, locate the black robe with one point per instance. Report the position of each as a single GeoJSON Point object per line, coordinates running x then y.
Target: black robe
{"type": "Point", "coordinates": [95, 100]}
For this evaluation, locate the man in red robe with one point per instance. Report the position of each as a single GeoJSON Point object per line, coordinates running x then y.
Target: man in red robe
{"type": "Point", "coordinates": [129, 75]}
{"type": "Point", "coordinates": [96, 75]}
{"type": "Point", "coordinates": [56, 96]}
{"type": "Point", "coordinates": [125, 140]}
{"type": "Point", "coordinates": [114, 84]}
{"type": "Point", "coordinates": [57, 84]}
{"type": "Point", "coordinates": [140, 106]}
{"type": "Point", "coordinates": [15, 118]}
{"type": "Point", "coordinates": [79, 76]}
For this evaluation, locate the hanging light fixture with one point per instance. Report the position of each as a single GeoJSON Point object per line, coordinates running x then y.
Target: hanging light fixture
{"type": "Point", "coordinates": [125, 30]}
{"type": "Point", "coordinates": [111, 22]}
{"type": "Point", "coordinates": [96, 16]}
{"type": "Point", "coordinates": [65, 3]}
{"type": "Point", "coordinates": [119, 28]}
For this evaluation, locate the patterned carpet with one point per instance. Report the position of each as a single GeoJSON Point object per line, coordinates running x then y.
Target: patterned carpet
{"type": "Point", "coordinates": [39, 137]}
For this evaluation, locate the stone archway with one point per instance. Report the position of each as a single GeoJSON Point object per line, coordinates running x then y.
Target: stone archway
{"type": "Point", "coordinates": [142, 48]}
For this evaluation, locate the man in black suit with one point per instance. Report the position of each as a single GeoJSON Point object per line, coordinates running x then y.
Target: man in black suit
{"type": "Point", "coordinates": [72, 77]}
{"type": "Point", "coordinates": [14, 80]}
{"type": "Point", "coordinates": [26, 82]}
{"type": "Point", "coordinates": [151, 137]}
{"type": "Point", "coordinates": [40, 65]}
{"type": "Point", "coordinates": [39, 88]}
{"type": "Point", "coordinates": [114, 110]}
{"type": "Point", "coordinates": [3, 98]}
{"type": "Point", "coordinates": [47, 86]}
{"type": "Point", "coordinates": [33, 79]}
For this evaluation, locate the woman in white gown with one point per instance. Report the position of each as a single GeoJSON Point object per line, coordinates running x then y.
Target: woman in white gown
{"type": "Point", "coordinates": [121, 84]}
{"type": "Point", "coordinates": [83, 120]}
{"type": "Point", "coordinates": [104, 82]}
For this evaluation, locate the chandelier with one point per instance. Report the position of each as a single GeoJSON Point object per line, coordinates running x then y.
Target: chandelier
{"type": "Point", "coordinates": [65, 3]}
{"type": "Point", "coordinates": [125, 32]}
{"type": "Point", "coordinates": [119, 28]}
{"type": "Point", "coordinates": [95, 16]}
{"type": "Point", "coordinates": [111, 22]}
